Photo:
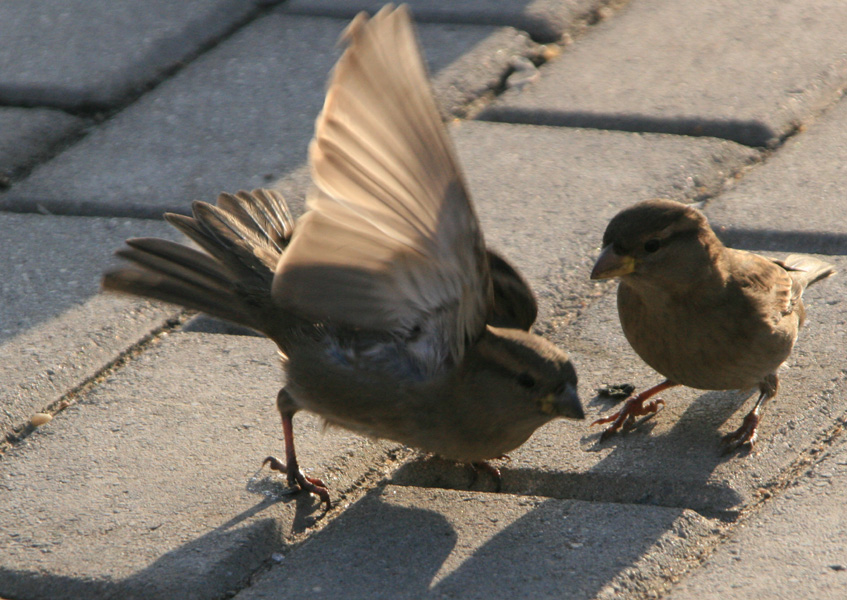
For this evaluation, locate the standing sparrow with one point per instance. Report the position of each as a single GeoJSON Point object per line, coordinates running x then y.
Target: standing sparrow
{"type": "Point", "coordinates": [699, 313]}
{"type": "Point", "coordinates": [392, 317]}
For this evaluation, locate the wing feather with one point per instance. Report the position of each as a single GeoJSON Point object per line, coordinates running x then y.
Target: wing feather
{"type": "Point", "coordinates": [391, 241]}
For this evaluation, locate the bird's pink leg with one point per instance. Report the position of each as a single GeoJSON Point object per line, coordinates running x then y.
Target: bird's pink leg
{"type": "Point", "coordinates": [747, 433]}
{"type": "Point", "coordinates": [634, 406]}
{"type": "Point", "coordinates": [296, 478]}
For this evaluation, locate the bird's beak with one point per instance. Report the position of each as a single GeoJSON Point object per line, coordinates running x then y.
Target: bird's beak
{"type": "Point", "coordinates": [564, 404]}
{"type": "Point", "coordinates": [611, 264]}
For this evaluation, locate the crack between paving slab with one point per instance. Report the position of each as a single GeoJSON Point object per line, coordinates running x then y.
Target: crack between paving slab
{"type": "Point", "coordinates": [24, 430]}
{"type": "Point", "coordinates": [536, 27]}
{"type": "Point", "coordinates": [747, 133]}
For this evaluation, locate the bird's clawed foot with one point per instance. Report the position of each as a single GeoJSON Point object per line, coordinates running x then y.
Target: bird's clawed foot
{"type": "Point", "coordinates": [746, 434]}
{"type": "Point", "coordinates": [635, 406]}
{"type": "Point", "coordinates": [491, 470]}
{"type": "Point", "coordinates": [296, 478]}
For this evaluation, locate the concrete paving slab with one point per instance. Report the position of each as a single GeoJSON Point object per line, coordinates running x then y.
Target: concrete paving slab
{"type": "Point", "coordinates": [794, 548]}
{"type": "Point", "coordinates": [93, 54]}
{"type": "Point", "coordinates": [545, 20]}
{"type": "Point", "coordinates": [674, 459]}
{"type": "Point", "coordinates": [55, 330]}
{"type": "Point", "coordinates": [39, 366]}
{"type": "Point", "coordinates": [52, 263]}
{"type": "Point", "coordinates": [149, 486]}
{"type": "Point", "coordinates": [795, 201]}
{"type": "Point", "coordinates": [240, 116]}
{"type": "Point", "coordinates": [443, 544]}
{"type": "Point", "coordinates": [747, 72]}
{"type": "Point", "coordinates": [28, 134]}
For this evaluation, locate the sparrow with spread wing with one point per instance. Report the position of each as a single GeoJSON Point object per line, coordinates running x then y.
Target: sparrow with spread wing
{"type": "Point", "coordinates": [392, 317]}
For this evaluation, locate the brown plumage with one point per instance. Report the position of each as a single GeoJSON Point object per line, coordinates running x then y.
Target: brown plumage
{"type": "Point", "coordinates": [394, 319]}
{"type": "Point", "coordinates": [701, 314]}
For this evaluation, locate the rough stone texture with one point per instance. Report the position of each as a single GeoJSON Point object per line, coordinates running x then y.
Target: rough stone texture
{"type": "Point", "coordinates": [544, 20]}
{"type": "Point", "coordinates": [88, 54]}
{"type": "Point", "coordinates": [55, 331]}
{"type": "Point", "coordinates": [440, 544]}
{"type": "Point", "coordinates": [51, 264]}
{"type": "Point", "coordinates": [240, 116]}
{"type": "Point", "coordinates": [149, 487]}
{"type": "Point", "coordinates": [749, 72]}
{"type": "Point", "coordinates": [27, 134]}
{"type": "Point", "coordinates": [793, 549]}
{"type": "Point", "coordinates": [40, 365]}
{"type": "Point", "coordinates": [796, 201]}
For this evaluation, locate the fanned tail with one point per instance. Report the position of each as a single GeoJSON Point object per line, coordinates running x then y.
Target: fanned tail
{"type": "Point", "coordinates": [244, 236]}
{"type": "Point", "coordinates": [807, 269]}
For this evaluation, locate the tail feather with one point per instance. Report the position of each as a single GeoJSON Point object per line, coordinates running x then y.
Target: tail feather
{"type": "Point", "coordinates": [263, 212]}
{"type": "Point", "coordinates": [808, 269]}
{"type": "Point", "coordinates": [242, 220]}
{"type": "Point", "coordinates": [159, 255]}
{"type": "Point", "coordinates": [174, 265]}
{"type": "Point", "coordinates": [243, 238]}
{"type": "Point", "coordinates": [159, 286]}
{"type": "Point", "coordinates": [243, 248]}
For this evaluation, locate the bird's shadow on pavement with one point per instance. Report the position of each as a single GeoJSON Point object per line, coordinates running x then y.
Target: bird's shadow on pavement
{"type": "Point", "coordinates": [636, 494]}
{"type": "Point", "coordinates": [671, 469]}
{"type": "Point", "coordinates": [675, 467]}
{"type": "Point", "coordinates": [209, 566]}
{"type": "Point", "coordinates": [405, 544]}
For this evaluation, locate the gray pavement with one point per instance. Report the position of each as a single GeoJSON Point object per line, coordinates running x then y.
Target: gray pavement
{"type": "Point", "coordinates": [748, 72]}
{"type": "Point", "coordinates": [93, 54]}
{"type": "Point", "coordinates": [793, 548]}
{"type": "Point", "coordinates": [146, 483]}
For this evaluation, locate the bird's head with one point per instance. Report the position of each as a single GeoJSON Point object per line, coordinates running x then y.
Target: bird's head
{"type": "Point", "coordinates": [657, 242]}
{"type": "Point", "coordinates": [530, 377]}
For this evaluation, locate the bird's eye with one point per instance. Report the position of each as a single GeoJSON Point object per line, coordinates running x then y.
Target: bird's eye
{"type": "Point", "coordinates": [526, 380]}
{"type": "Point", "coordinates": [652, 245]}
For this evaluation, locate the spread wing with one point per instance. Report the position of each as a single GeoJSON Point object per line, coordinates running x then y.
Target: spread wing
{"type": "Point", "coordinates": [391, 241]}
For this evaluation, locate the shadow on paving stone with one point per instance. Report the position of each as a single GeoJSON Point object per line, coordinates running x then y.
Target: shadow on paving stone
{"type": "Point", "coordinates": [550, 564]}
{"type": "Point", "coordinates": [783, 241]}
{"type": "Point", "coordinates": [472, 546]}
{"type": "Point", "coordinates": [635, 472]}
{"type": "Point", "coordinates": [749, 133]}
{"type": "Point", "coordinates": [544, 21]}
{"type": "Point", "coordinates": [181, 573]}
